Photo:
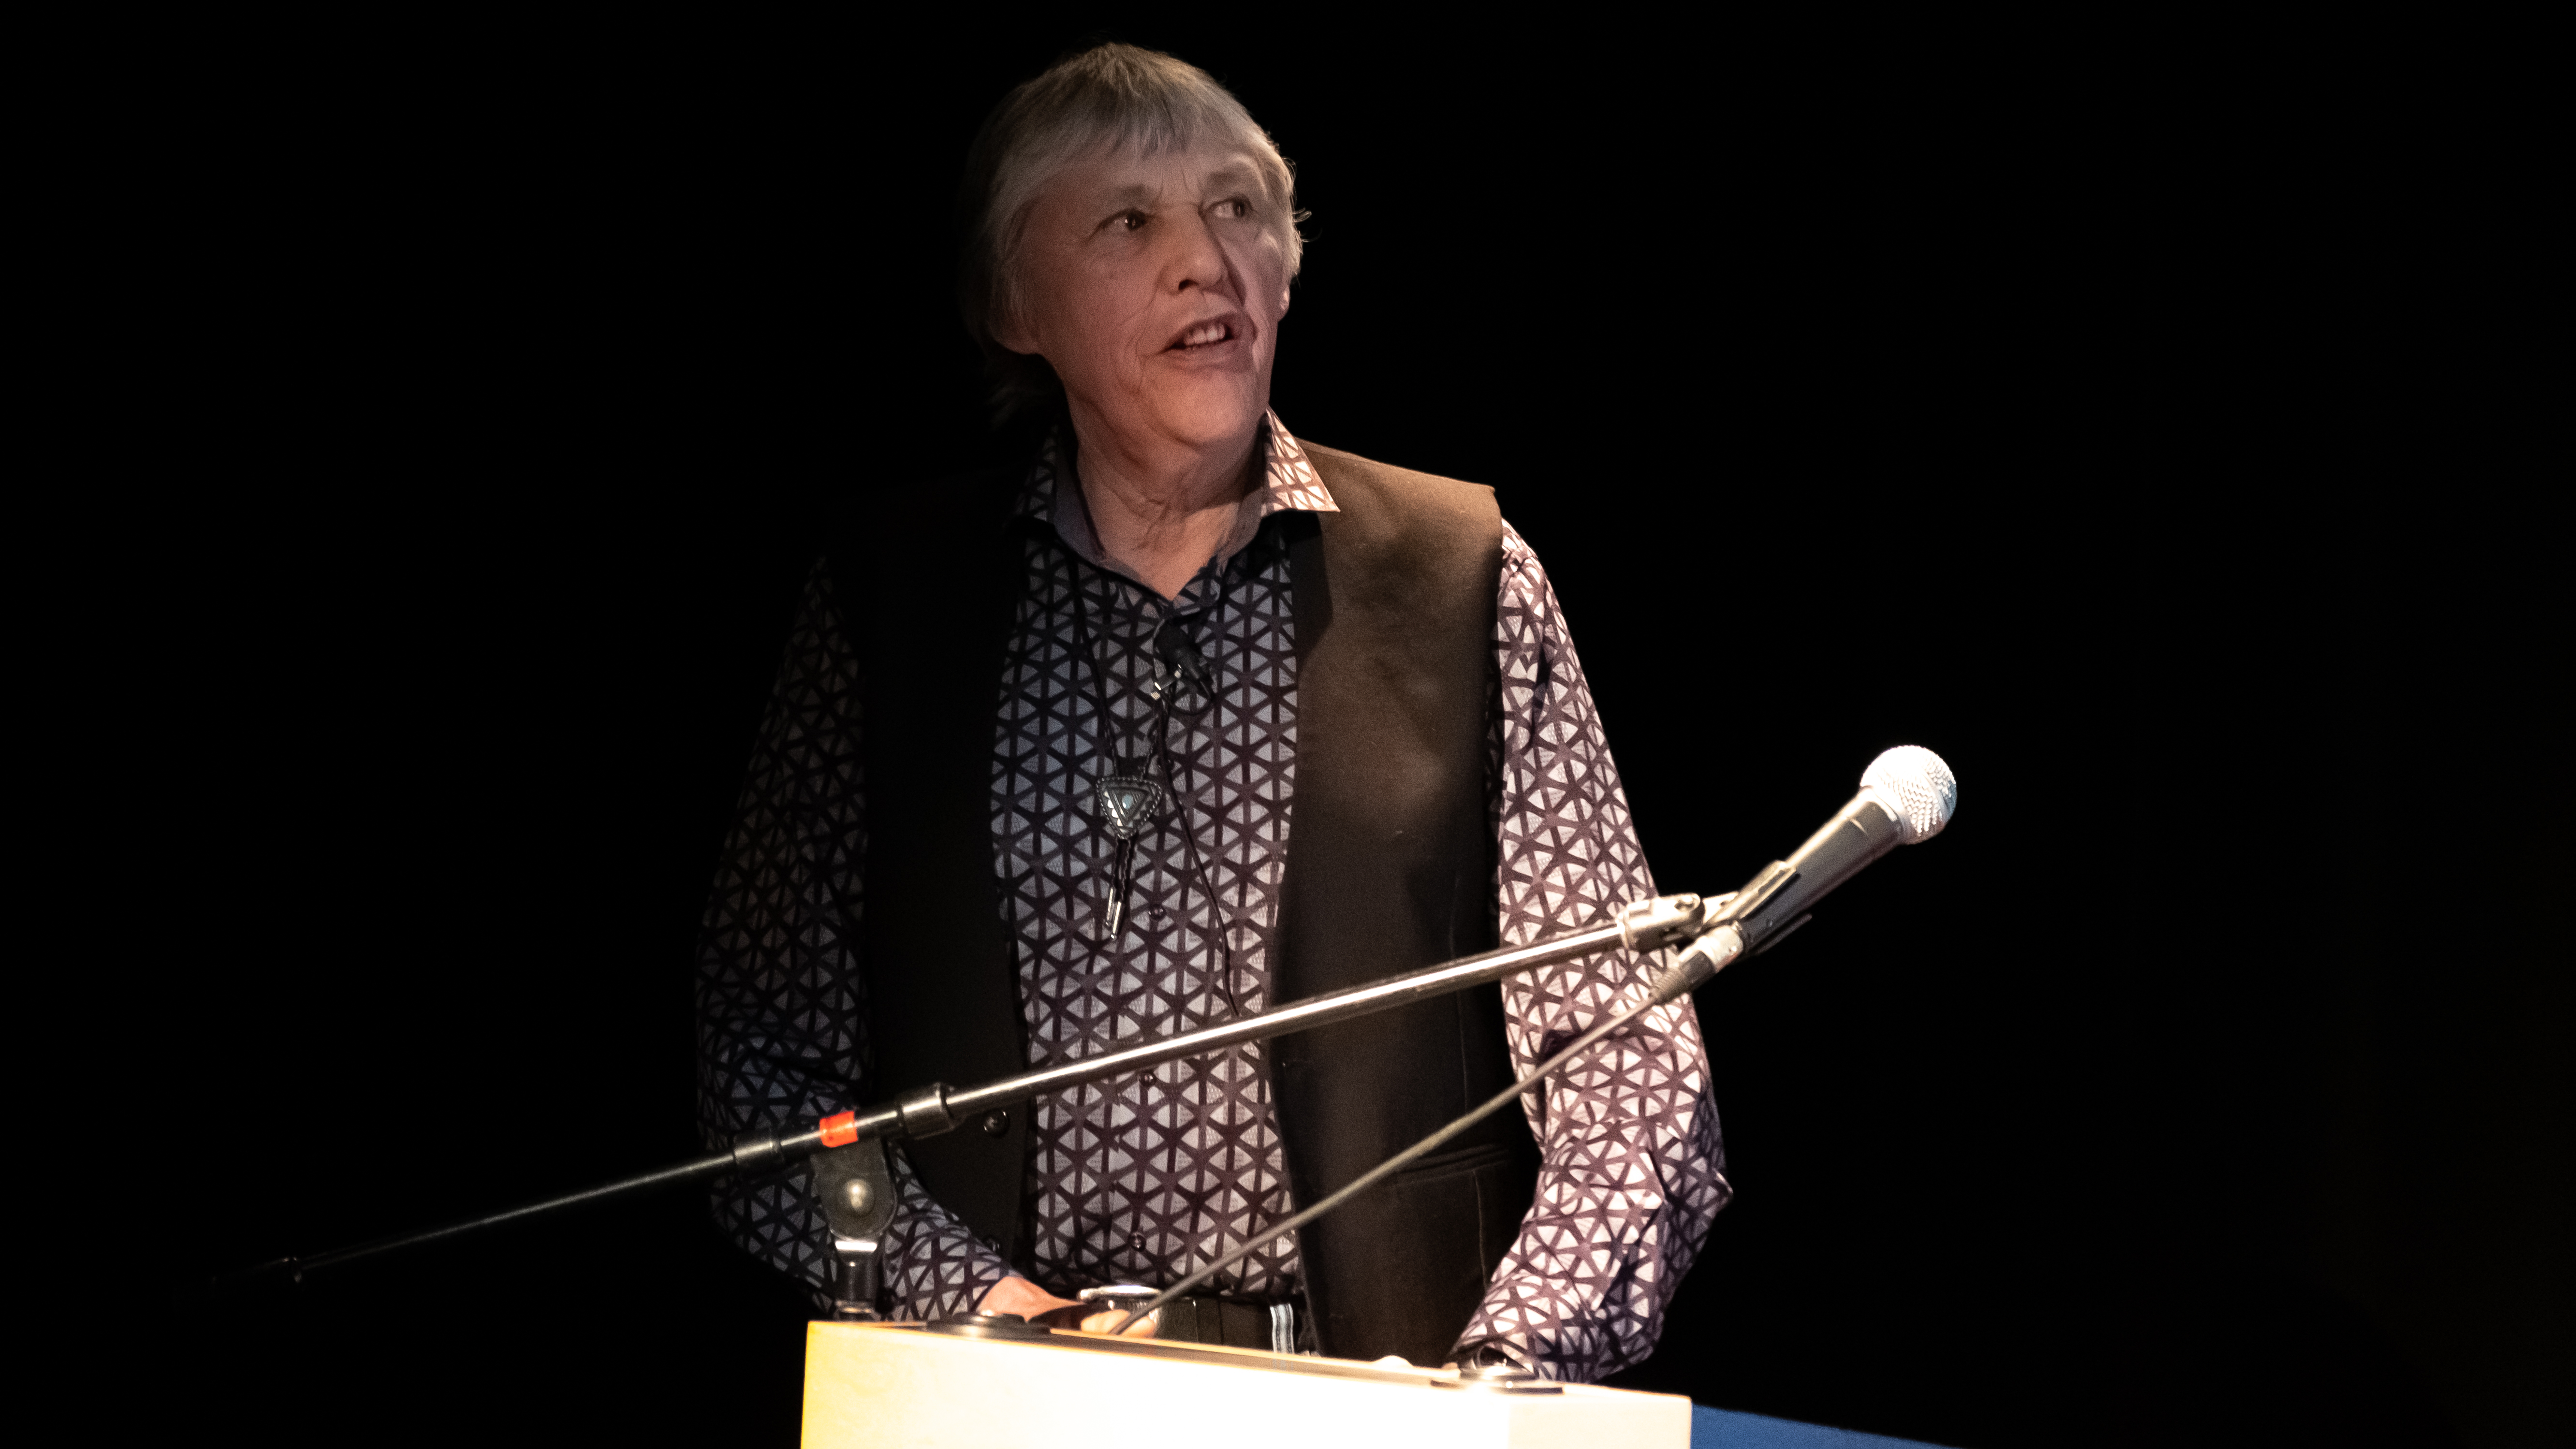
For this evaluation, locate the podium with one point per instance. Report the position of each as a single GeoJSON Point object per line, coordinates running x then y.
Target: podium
{"type": "Point", "coordinates": [899, 1384]}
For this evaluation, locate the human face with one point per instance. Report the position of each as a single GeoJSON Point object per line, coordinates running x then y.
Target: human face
{"type": "Point", "coordinates": [1154, 286]}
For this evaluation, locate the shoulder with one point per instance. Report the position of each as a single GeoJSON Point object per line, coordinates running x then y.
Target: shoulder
{"type": "Point", "coordinates": [898, 520]}
{"type": "Point", "coordinates": [1384, 505]}
{"type": "Point", "coordinates": [888, 548]}
{"type": "Point", "coordinates": [1524, 578]}
{"type": "Point", "coordinates": [1524, 601]}
{"type": "Point", "coordinates": [1377, 486]}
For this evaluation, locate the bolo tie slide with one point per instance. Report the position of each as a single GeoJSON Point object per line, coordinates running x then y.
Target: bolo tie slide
{"type": "Point", "coordinates": [1127, 797]}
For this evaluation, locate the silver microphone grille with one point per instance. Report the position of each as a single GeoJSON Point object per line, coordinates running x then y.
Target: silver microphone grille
{"type": "Point", "coordinates": [1916, 788]}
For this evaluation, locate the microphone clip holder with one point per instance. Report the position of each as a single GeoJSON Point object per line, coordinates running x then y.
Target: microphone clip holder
{"type": "Point", "coordinates": [854, 1183]}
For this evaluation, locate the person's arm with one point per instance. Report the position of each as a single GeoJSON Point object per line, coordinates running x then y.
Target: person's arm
{"type": "Point", "coordinates": [782, 983]}
{"type": "Point", "coordinates": [1632, 1168]}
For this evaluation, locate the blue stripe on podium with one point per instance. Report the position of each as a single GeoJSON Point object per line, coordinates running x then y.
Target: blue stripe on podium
{"type": "Point", "coordinates": [1726, 1429]}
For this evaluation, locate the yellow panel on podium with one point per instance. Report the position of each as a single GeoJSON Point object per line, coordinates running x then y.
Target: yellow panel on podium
{"type": "Point", "coordinates": [895, 1384]}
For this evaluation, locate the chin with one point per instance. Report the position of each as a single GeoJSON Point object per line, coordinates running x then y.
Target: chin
{"type": "Point", "coordinates": [1211, 414]}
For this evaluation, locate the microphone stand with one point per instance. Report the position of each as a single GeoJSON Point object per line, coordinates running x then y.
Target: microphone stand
{"type": "Point", "coordinates": [854, 1182]}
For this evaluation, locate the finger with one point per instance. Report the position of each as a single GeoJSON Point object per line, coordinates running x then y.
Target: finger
{"type": "Point", "coordinates": [1104, 1322]}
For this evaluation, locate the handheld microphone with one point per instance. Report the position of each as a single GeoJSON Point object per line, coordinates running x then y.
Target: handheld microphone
{"type": "Point", "coordinates": [1906, 796]}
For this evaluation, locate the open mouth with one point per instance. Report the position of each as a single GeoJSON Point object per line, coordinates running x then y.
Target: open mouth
{"type": "Point", "coordinates": [1206, 334]}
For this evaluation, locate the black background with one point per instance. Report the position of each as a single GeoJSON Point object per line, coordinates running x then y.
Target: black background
{"type": "Point", "coordinates": [2160, 446]}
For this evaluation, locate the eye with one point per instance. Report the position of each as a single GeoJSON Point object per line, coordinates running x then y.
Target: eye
{"type": "Point", "coordinates": [1129, 221]}
{"type": "Point", "coordinates": [1234, 208]}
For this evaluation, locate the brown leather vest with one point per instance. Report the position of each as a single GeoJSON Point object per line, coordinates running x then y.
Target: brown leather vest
{"type": "Point", "coordinates": [1390, 867]}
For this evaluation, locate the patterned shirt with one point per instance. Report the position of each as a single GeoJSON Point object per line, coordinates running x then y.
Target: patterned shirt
{"type": "Point", "coordinates": [1147, 1177]}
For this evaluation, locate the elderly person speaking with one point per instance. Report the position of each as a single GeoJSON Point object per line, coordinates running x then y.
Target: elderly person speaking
{"type": "Point", "coordinates": [1179, 719]}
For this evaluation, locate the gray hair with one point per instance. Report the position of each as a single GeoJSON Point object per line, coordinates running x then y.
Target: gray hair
{"type": "Point", "coordinates": [1113, 94]}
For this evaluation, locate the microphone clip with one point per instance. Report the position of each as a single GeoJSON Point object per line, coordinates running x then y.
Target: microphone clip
{"type": "Point", "coordinates": [1651, 925]}
{"type": "Point", "coordinates": [1757, 893]}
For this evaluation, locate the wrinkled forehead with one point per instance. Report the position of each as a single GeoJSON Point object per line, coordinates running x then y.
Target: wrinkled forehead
{"type": "Point", "coordinates": [1115, 168]}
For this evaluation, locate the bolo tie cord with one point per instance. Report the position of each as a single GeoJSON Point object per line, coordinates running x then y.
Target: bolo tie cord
{"type": "Point", "coordinates": [1170, 677]}
{"type": "Point", "coordinates": [1122, 802]}
{"type": "Point", "coordinates": [1202, 680]}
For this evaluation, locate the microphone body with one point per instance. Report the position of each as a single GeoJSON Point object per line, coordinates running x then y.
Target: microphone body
{"type": "Point", "coordinates": [1776, 901]}
{"type": "Point", "coordinates": [1907, 795]}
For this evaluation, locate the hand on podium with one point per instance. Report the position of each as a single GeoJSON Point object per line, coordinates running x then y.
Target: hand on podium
{"type": "Point", "coordinates": [1018, 1295]}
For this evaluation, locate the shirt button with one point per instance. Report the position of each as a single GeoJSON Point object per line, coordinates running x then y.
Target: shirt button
{"type": "Point", "coordinates": [1136, 1243]}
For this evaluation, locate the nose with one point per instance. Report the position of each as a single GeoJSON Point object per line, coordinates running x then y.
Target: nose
{"type": "Point", "coordinates": [1196, 259]}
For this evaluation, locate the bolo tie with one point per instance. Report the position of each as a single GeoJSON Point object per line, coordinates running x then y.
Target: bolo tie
{"type": "Point", "coordinates": [1129, 792]}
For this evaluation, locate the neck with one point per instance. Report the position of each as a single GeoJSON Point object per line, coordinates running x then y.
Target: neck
{"type": "Point", "coordinates": [1160, 512]}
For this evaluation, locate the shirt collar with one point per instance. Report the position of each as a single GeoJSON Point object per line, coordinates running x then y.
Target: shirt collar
{"type": "Point", "coordinates": [1289, 484]}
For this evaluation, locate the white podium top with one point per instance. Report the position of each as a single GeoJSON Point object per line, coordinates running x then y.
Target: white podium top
{"type": "Point", "coordinates": [895, 1384]}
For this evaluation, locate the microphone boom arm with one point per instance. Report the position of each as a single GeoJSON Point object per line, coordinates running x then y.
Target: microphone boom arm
{"type": "Point", "coordinates": [855, 1183]}
{"type": "Point", "coordinates": [1907, 795]}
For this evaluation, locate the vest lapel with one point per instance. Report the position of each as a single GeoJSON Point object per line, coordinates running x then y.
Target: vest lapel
{"type": "Point", "coordinates": [1390, 868]}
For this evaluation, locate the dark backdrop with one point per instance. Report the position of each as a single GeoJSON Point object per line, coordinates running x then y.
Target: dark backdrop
{"type": "Point", "coordinates": [2166, 456]}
